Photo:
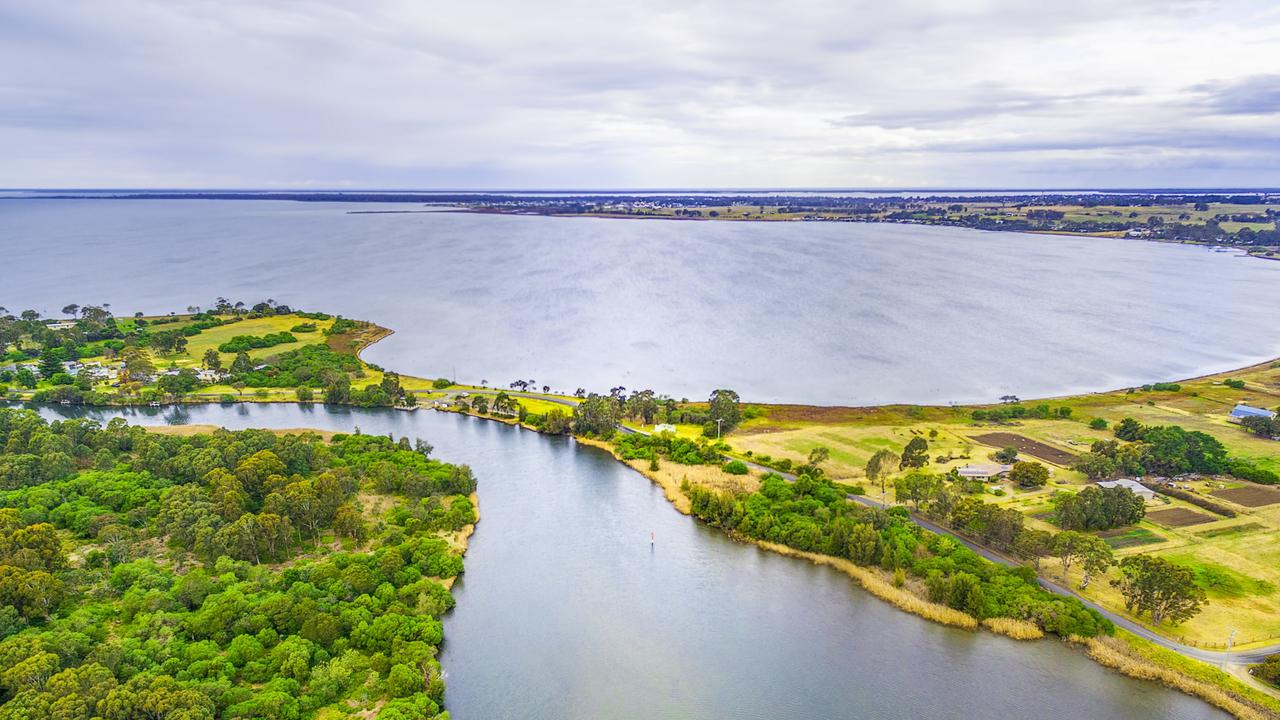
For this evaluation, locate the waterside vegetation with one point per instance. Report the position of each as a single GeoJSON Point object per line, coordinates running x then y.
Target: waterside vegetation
{"type": "Point", "coordinates": [227, 575]}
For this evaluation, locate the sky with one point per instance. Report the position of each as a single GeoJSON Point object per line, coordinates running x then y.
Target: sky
{"type": "Point", "coordinates": [508, 94]}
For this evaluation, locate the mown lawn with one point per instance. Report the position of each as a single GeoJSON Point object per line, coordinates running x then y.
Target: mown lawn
{"type": "Point", "coordinates": [212, 338]}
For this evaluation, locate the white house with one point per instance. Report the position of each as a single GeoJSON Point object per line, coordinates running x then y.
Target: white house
{"type": "Point", "coordinates": [1134, 486]}
{"type": "Point", "coordinates": [984, 471]}
{"type": "Point", "coordinates": [664, 428]}
{"type": "Point", "coordinates": [209, 376]}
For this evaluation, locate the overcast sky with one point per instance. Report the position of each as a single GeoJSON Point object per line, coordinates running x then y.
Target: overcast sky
{"type": "Point", "coordinates": [660, 93]}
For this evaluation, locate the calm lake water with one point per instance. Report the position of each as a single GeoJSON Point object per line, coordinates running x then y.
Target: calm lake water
{"type": "Point", "coordinates": [567, 613]}
{"type": "Point", "coordinates": [832, 313]}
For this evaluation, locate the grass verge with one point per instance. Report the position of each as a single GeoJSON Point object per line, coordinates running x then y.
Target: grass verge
{"type": "Point", "coordinates": [1138, 658]}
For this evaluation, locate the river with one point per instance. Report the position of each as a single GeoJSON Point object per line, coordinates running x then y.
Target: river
{"type": "Point", "coordinates": [826, 313]}
{"type": "Point", "coordinates": [567, 612]}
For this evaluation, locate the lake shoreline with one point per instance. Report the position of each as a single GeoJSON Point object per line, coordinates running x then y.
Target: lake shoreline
{"type": "Point", "coordinates": [1109, 235]}
{"type": "Point", "coordinates": [671, 487]}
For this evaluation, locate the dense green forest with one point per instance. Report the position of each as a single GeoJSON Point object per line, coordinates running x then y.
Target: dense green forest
{"type": "Point", "coordinates": [228, 575]}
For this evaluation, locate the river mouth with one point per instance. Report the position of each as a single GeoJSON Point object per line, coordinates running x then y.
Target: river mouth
{"type": "Point", "coordinates": [567, 610]}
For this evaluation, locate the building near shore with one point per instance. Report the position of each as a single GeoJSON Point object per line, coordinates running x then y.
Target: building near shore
{"type": "Point", "coordinates": [1135, 487]}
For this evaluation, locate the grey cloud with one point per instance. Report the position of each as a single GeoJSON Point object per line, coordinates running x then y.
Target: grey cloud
{"type": "Point", "coordinates": [573, 93]}
{"type": "Point", "coordinates": [1253, 95]}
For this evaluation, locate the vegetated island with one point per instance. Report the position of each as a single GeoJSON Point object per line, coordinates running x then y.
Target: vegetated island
{"type": "Point", "coordinates": [1151, 506]}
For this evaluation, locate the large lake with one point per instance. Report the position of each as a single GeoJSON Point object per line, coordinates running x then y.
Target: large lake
{"type": "Point", "coordinates": [832, 313]}
{"type": "Point", "coordinates": [567, 613]}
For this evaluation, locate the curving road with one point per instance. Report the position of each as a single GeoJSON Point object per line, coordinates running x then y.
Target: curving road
{"type": "Point", "coordinates": [1220, 657]}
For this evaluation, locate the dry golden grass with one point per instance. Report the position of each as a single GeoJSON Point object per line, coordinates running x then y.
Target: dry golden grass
{"type": "Point", "coordinates": [458, 540]}
{"type": "Point", "coordinates": [669, 483]}
{"type": "Point", "coordinates": [1014, 628]}
{"type": "Point", "coordinates": [1116, 654]}
{"type": "Point", "coordinates": [877, 585]}
{"type": "Point", "coordinates": [198, 429]}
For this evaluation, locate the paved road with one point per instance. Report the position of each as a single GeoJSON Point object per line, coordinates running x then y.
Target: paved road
{"type": "Point", "coordinates": [1251, 656]}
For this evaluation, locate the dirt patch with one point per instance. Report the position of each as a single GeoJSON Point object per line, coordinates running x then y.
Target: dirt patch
{"type": "Point", "coordinates": [759, 430]}
{"type": "Point", "coordinates": [198, 429]}
{"type": "Point", "coordinates": [1026, 445]}
{"type": "Point", "coordinates": [354, 342]}
{"type": "Point", "coordinates": [1179, 517]}
{"type": "Point", "coordinates": [1249, 495]}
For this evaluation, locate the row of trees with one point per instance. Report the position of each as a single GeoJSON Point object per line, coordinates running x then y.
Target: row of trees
{"type": "Point", "coordinates": [1165, 450]}
{"type": "Point", "coordinates": [598, 415]}
{"type": "Point", "coordinates": [1153, 449]}
{"type": "Point", "coordinates": [1268, 427]}
{"type": "Point", "coordinates": [813, 515]}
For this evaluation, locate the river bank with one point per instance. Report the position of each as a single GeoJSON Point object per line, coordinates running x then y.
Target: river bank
{"type": "Point", "coordinates": [646, 628]}
{"type": "Point", "coordinates": [671, 485]}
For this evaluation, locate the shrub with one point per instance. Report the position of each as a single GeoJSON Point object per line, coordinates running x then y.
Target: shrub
{"type": "Point", "coordinates": [1234, 383]}
{"type": "Point", "coordinates": [245, 343]}
{"type": "Point", "coordinates": [1193, 498]}
{"type": "Point", "coordinates": [441, 383]}
{"type": "Point", "coordinates": [1248, 471]}
{"type": "Point", "coordinates": [1268, 671]}
{"type": "Point", "coordinates": [735, 467]}
{"type": "Point", "coordinates": [343, 325]}
{"type": "Point", "coordinates": [1098, 423]}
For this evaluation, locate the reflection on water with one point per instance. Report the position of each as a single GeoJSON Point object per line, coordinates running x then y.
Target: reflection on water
{"type": "Point", "coordinates": [831, 313]}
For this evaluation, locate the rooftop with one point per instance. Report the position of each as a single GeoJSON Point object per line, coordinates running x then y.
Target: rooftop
{"type": "Point", "coordinates": [983, 470]}
{"type": "Point", "coordinates": [1134, 486]}
{"type": "Point", "coordinates": [1244, 411]}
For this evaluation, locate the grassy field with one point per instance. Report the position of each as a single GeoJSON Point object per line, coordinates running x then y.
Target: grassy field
{"type": "Point", "coordinates": [1236, 560]}
{"type": "Point", "coordinates": [213, 337]}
